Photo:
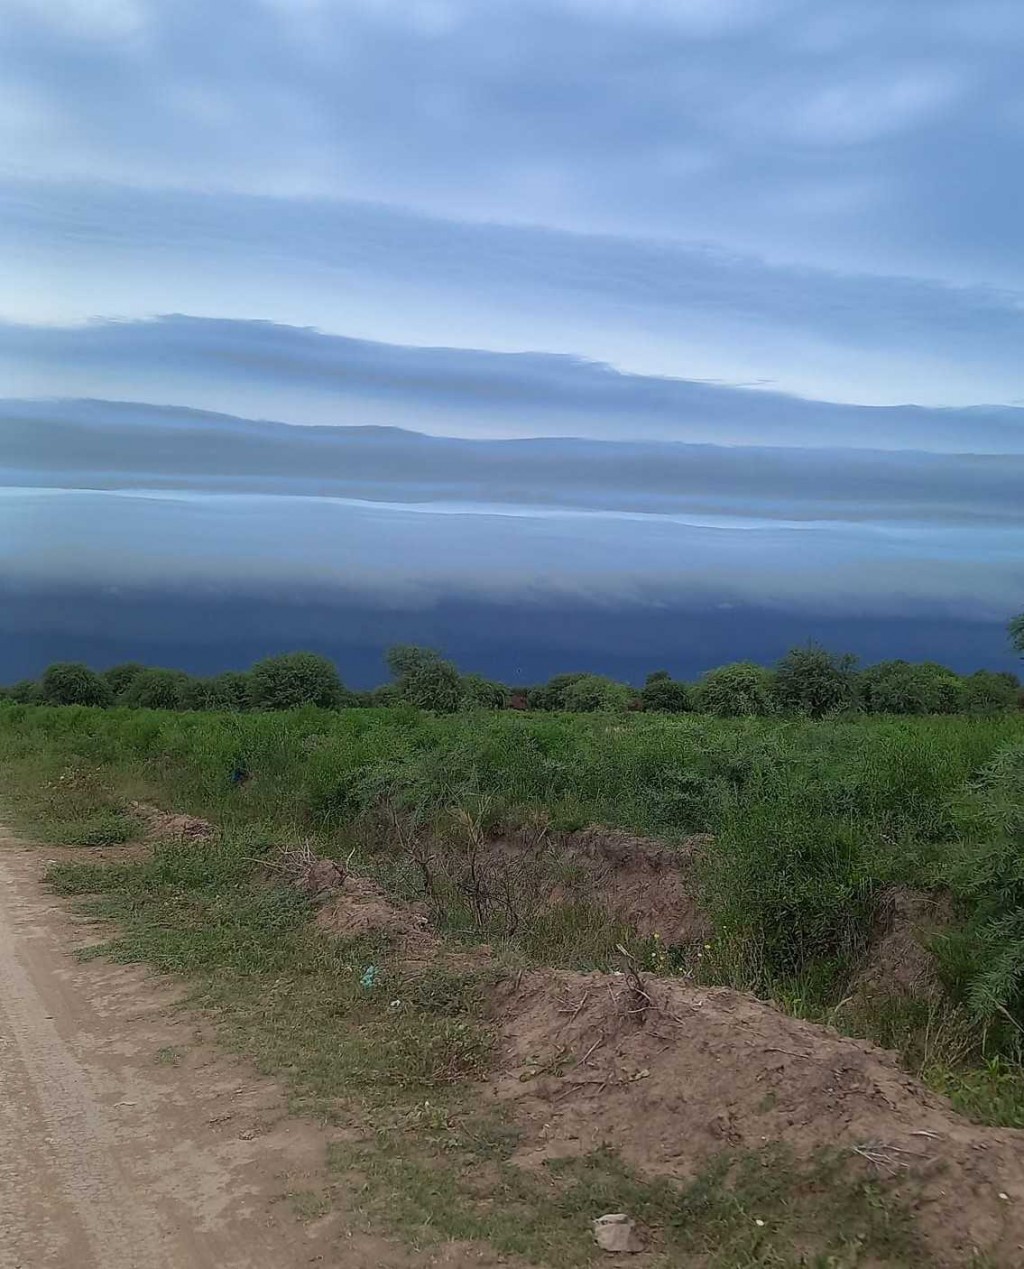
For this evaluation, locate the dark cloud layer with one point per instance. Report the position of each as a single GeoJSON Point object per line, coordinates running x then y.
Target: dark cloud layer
{"type": "Point", "coordinates": [117, 445]}
{"type": "Point", "coordinates": [465, 391]}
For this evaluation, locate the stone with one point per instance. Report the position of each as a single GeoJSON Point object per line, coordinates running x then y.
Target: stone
{"type": "Point", "coordinates": [616, 1233]}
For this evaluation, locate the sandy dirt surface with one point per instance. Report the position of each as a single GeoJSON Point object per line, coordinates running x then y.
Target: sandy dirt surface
{"type": "Point", "coordinates": [126, 1139]}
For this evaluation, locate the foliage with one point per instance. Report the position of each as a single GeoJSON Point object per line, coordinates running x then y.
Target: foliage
{"type": "Point", "coordinates": [551, 695]}
{"type": "Point", "coordinates": [810, 680]}
{"type": "Point", "coordinates": [293, 680]}
{"type": "Point", "coordinates": [991, 692]}
{"type": "Point", "coordinates": [589, 693]}
{"type": "Point", "coordinates": [735, 691]}
{"type": "Point", "coordinates": [24, 692]}
{"type": "Point", "coordinates": [72, 683]}
{"type": "Point", "coordinates": [900, 687]}
{"type": "Point", "coordinates": [664, 695]}
{"type": "Point", "coordinates": [157, 689]}
{"type": "Point", "coordinates": [219, 692]}
{"type": "Point", "coordinates": [1016, 630]}
{"type": "Point", "coordinates": [120, 677]}
{"type": "Point", "coordinates": [424, 679]}
{"type": "Point", "coordinates": [484, 693]}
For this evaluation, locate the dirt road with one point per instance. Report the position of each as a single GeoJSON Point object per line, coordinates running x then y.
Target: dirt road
{"type": "Point", "coordinates": [126, 1141]}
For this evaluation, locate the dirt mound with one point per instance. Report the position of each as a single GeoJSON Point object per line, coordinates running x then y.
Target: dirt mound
{"type": "Point", "coordinates": [898, 961]}
{"type": "Point", "coordinates": [165, 824]}
{"type": "Point", "coordinates": [640, 881]}
{"type": "Point", "coordinates": [311, 874]}
{"type": "Point", "coordinates": [361, 907]}
{"type": "Point", "coordinates": [674, 1074]}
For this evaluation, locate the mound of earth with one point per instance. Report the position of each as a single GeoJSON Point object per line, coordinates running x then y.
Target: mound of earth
{"type": "Point", "coordinates": [360, 907]}
{"type": "Point", "coordinates": [165, 824]}
{"type": "Point", "coordinates": [670, 1075]}
{"type": "Point", "coordinates": [898, 961]}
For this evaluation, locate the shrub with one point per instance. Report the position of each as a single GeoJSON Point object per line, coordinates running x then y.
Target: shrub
{"type": "Point", "coordinates": [664, 695]}
{"type": "Point", "coordinates": [551, 695]}
{"type": "Point", "coordinates": [899, 687]}
{"type": "Point", "coordinates": [424, 679]}
{"type": "Point", "coordinates": [157, 689]}
{"type": "Point", "coordinates": [72, 683]}
{"type": "Point", "coordinates": [293, 680]}
{"type": "Point", "coordinates": [591, 693]}
{"type": "Point", "coordinates": [733, 691]}
{"type": "Point", "coordinates": [991, 692]}
{"type": "Point", "coordinates": [120, 677]}
{"type": "Point", "coordinates": [24, 692]}
{"type": "Point", "coordinates": [813, 681]}
{"type": "Point", "coordinates": [483, 692]}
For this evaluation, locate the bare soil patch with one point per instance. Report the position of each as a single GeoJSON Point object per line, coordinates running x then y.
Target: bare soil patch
{"type": "Point", "coordinates": [678, 1076]}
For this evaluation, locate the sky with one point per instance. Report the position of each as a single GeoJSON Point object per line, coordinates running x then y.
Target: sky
{"type": "Point", "coordinates": [599, 333]}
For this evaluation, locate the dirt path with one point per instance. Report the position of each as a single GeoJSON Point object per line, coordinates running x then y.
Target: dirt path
{"type": "Point", "coordinates": [125, 1140]}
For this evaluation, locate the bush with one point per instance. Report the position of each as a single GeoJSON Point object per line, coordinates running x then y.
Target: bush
{"type": "Point", "coordinates": [899, 687]}
{"type": "Point", "coordinates": [24, 692]}
{"type": "Point", "coordinates": [157, 689]}
{"type": "Point", "coordinates": [72, 683]}
{"type": "Point", "coordinates": [424, 679]}
{"type": "Point", "coordinates": [991, 692]}
{"type": "Point", "coordinates": [551, 695]}
{"type": "Point", "coordinates": [815, 682]}
{"type": "Point", "coordinates": [591, 693]}
{"type": "Point", "coordinates": [734, 691]}
{"type": "Point", "coordinates": [483, 692]}
{"type": "Point", "coordinates": [120, 677]}
{"type": "Point", "coordinates": [293, 680]}
{"type": "Point", "coordinates": [664, 695]}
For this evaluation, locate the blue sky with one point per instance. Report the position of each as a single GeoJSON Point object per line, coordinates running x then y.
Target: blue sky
{"type": "Point", "coordinates": [751, 270]}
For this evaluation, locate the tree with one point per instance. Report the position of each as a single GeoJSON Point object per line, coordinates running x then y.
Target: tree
{"type": "Point", "coordinates": [811, 680]}
{"type": "Point", "coordinates": [592, 693]}
{"type": "Point", "coordinates": [24, 692]}
{"type": "Point", "coordinates": [901, 687]}
{"type": "Point", "coordinates": [1017, 633]}
{"type": "Point", "coordinates": [120, 677]}
{"type": "Point", "coordinates": [734, 691]}
{"type": "Point", "coordinates": [425, 679]}
{"type": "Point", "coordinates": [551, 695]}
{"type": "Point", "coordinates": [484, 693]}
{"type": "Point", "coordinates": [222, 692]}
{"type": "Point", "coordinates": [72, 683]}
{"type": "Point", "coordinates": [663, 694]}
{"type": "Point", "coordinates": [293, 680]}
{"type": "Point", "coordinates": [157, 689]}
{"type": "Point", "coordinates": [991, 692]}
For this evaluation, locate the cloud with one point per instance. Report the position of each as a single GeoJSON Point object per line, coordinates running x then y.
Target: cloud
{"type": "Point", "coordinates": [303, 376]}
{"type": "Point", "coordinates": [560, 113]}
{"type": "Point", "coordinates": [116, 445]}
{"type": "Point", "coordinates": [75, 252]}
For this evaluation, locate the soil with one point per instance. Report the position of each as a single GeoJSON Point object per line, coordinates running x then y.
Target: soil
{"type": "Point", "coordinates": [678, 1074]}
{"type": "Point", "coordinates": [127, 1140]}
{"type": "Point", "coordinates": [361, 907]}
{"type": "Point", "coordinates": [165, 824]}
{"type": "Point", "coordinates": [898, 961]}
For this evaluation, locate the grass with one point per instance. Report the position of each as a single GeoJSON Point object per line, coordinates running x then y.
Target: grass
{"type": "Point", "coordinates": [812, 823]}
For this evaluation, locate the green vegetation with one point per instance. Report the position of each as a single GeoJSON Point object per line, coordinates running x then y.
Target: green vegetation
{"type": "Point", "coordinates": [812, 823]}
{"type": "Point", "coordinates": [808, 681]}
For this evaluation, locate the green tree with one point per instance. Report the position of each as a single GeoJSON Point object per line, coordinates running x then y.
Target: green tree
{"type": "Point", "coordinates": [484, 693]}
{"type": "Point", "coordinates": [663, 694]}
{"type": "Point", "coordinates": [219, 692]}
{"type": "Point", "coordinates": [991, 692]}
{"type": "Point", "coordinates": [1017, 633]}
{"type": "Point", "coordinates": [157, 689]}
{"type": "Point", "coordinates": [591, 693]}
{"type": "Point", "coordinates": [903, 687]}
{"type": "Point", "coordinates": [72, 683]}
{"type": "Point", "coordinates": [425, 679]}
{"type": "Point", "coordinates": [811, 680]}
{"type": "Point", "coordinates": [293, 680]}
{"type": "Point", "coordinates": [24, 692]}
{"type": "Point", "coordinates": [120, 677]}
{"type": "Point", "coordinates": [551, 695]}
{"type": "Point", "coordinates": [735, 691]}
{"type": "Point", "coordinates": [236, 688]}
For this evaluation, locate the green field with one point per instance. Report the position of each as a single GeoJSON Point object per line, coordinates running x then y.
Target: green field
{"type": "Point", "coordinates": [811, 827]}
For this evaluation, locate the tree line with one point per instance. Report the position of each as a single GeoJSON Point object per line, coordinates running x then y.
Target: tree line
{"type": "Point", "coordinates": [808, 680]}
